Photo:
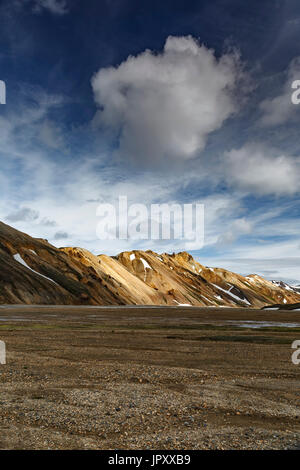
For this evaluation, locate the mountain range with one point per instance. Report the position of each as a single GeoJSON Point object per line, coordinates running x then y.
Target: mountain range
{"type": "Point", "coordinates": [35, 272]}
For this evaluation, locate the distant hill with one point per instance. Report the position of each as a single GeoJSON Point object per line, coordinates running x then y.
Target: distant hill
{"type": "Point", "coordinates": [35, 272]}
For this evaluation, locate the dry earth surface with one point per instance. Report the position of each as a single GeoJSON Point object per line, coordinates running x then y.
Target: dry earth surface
{"type": "Point", "coordinates": [148, 378]}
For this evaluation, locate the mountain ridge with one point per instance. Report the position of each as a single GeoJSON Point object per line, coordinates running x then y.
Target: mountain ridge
{"type": "Point", "coordinates": [35, 272]}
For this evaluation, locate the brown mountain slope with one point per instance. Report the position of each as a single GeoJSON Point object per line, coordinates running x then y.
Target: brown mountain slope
{"type": "Point", "coordinates": [187, 281]}
{"type": "Point", "coordinates": [34, 272]}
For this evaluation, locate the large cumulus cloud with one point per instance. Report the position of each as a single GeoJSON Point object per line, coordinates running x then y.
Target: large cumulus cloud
{"type": "Point", "coordinates": [162, 106]}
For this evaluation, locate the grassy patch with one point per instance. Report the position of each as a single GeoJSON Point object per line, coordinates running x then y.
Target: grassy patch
{"type": "Point", "coordinates": [246, 339]}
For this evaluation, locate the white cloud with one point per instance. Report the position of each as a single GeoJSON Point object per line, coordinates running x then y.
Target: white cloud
{"type": "Point", "coordinates": [284, 269]}
{"type": "Point", "coordinates": [50, 135]}
{"type": "Point", "coordinates": [165, 105]}
{"type": "Point", "coordinates": [61, 235]}
{"type": "Point", "coordinates": [261, 171]}
{"type": "Point", "coordinates": [237, 228]}
{"type": "Point", "coordinates": [280, 109]}
{"type": "Point", "coordinates": [57, 7]}
{"type": "Point", "coordinates": [24, 214]}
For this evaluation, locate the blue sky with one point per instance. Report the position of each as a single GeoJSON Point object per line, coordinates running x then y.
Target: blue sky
{"type": "Point", "coordinates": [174, 101]}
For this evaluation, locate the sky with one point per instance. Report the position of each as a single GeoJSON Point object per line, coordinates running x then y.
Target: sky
{"type": "Point", "coordinates": [173, 102]}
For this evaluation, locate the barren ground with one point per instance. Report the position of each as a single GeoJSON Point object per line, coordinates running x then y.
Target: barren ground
{"type": "Point", "coordinates": [148, 378]}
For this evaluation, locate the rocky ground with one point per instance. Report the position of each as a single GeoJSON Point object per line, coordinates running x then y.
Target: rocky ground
{"type": "Point", "coordinates": [156, 378]}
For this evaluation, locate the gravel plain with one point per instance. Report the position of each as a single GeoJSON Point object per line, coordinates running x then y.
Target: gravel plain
{"type": "Point", "coordinates": [157, 378]}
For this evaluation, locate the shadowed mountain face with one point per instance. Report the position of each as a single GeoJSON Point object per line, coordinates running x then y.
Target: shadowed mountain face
{"type": "Point", "coordinates": [34, 272]}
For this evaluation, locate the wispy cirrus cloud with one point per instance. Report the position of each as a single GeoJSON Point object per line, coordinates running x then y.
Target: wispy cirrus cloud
{"type": "Point", "coordinates": [56, 7]}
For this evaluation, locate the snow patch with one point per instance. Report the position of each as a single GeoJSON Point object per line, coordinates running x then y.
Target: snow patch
{"type": "Point", "coordinates": [283, 285]}
{"type": "Point", "coordinates": [182, 305]}
{"type": "Point", "coordinates": [232, 295]}
{"type": "Point", "coordinates": [146, 265]}
{"type": "Point", "coordinates": [218, 297]}
{"type": "Point", "coordinates": [20, 260]}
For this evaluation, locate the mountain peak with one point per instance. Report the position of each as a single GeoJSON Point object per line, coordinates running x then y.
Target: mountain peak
{"type": "Point", "coordinates": [35, 272]}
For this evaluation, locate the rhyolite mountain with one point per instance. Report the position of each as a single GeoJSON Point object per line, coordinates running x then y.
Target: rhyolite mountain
{"type": "Point", "coordinates": [32, 271]}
